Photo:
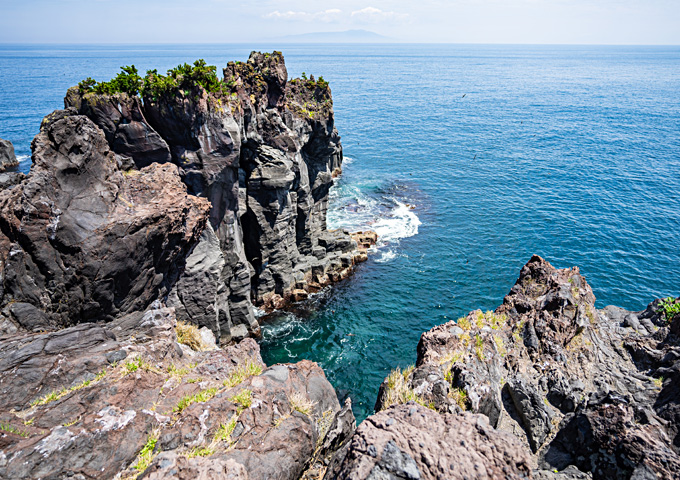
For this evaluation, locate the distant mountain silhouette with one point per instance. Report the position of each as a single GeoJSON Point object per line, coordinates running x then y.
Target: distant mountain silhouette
{"type": "Point", "coordinates": [347, 36]}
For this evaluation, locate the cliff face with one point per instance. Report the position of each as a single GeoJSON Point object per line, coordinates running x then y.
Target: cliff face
{"type": "Point", "coordinates": [211, 195]}
{"type": "Point", "coordinates": [590, 393]}
{"type": "Point", "coordinates": [143, 212]}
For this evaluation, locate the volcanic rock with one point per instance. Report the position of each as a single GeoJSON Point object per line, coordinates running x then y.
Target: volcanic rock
{"type": "Point", "coordinates": [587, 391]}
{"type": "Point", "coordinates": [7, 157]}
{"type": "Point", "coordinates": [85, 402]}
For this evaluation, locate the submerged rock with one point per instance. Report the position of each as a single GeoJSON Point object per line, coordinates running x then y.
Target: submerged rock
{"type": "Point", "coordinates": [589, 392]}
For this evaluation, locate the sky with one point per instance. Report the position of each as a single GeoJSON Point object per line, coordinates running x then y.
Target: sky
{"type": "Point", "coordinates": [416, 21]}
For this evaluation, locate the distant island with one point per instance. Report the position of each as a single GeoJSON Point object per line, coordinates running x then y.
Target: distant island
{"type": "Point", "coordinates": [347, 36]}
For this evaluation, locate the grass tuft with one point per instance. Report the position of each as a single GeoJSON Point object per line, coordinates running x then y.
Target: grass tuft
{"type": "Point", "coordinates": [56, 395]}
{"type": "Point", "coordinates": [243, 400]}
{"type": "Point", "coordinates": [146, 454]}
{"type": "Point", "coordinates": [300, 403]}
{"type": "Point", "coordinates": [241, 373]}
{"type": "Point", "coordinates": [200, 397]}
{"type": "Point", "coordinates": [189, 335]}
{"type": "Point", "coordinates": [460, 396]}
{"type": "Point", "coordinates": [199, 452]}
{"type": "Point", "coordinates": [398, 391]}
{"type": "Point", "coordinates": [6, 427]}
{"type": "Point", "coordinates": [225, 430]}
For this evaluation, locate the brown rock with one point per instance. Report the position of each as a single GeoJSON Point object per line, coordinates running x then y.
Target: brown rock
{"type": "Point", "coordinates": [413, 442]}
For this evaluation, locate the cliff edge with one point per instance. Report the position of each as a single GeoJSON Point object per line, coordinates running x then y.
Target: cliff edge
{"type": "Point", "coordinates": [207, 193]}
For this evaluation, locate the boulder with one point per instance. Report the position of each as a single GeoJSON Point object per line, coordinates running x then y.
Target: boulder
{"type": "Point", "coordinates": [413, 442]}
{"type": "Point", "coordinates": [7, 157]}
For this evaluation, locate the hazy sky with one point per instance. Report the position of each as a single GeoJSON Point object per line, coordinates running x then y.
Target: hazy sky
{"type": "Point", "coordinates": [232, 21]}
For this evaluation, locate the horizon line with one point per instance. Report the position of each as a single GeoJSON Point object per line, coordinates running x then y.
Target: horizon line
{"type": "Point", "coordinates": [262, 42]}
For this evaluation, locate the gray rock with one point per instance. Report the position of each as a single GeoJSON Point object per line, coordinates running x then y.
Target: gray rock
{"type": "Point", "coordinates": [7, 157]}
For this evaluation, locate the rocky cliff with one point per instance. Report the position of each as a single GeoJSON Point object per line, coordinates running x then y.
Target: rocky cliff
{"type": "Point", "coordinates": [156, 213]}
{"type": "Point", "coordinates": [586, 393]}
{"type": "Point", "coordinates": [207, 193]}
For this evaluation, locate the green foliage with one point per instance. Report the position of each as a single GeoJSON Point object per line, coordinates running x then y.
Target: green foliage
{"type": "Point", "coordinates": [242, 373]}
{"type": "Point", "coordinates": [225, 430]}
{"type": "Point", "coordinates": [200, 452]}
{"type": "Point", "coordinates": [6, 427]}
{"type": "Point", "coordinates": [87, 85]}
{"type": "Point", "coordinates": [56, 395]}
{"type": "Point", "coordinates": [321, 83]}
{"type": "Point", "coordinates": [127, 81]}
{"type": "Point", "coordinates": [670, 308]}
{"type": "Point", "coordinates": [200, 397]}
{"type": "Point", "coordinates": [146, 453]}
{"type": "Point", "coordinates": [243, 400]}
{"type": "Point", "coordinates": [460, 396]}
{"type": "Point", "coordinates": [183, 78]}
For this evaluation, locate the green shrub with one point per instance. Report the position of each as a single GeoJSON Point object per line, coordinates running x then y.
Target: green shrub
{"type": "Point", "coordinates": [670, 308]}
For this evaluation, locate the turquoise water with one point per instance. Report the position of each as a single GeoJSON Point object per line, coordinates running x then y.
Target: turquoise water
{"type": "Point", "coordinates": [572, 153]}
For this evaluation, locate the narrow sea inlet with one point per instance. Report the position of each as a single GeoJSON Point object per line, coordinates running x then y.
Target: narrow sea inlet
{"type": "Point", "coordinates": [467, 160]}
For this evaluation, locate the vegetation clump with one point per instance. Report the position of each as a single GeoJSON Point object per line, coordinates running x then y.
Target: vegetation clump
{"type": "Point", "coordinates": [242, 373]}
{"type": "Point", "coordinates": [56, 395]}
{"type": "Point", "coordinates": [127, 81]}
{"type": "Point", "coordinates": [190, 336]}
{"type": "Point", "coordinates": [225, 430]}
{"type": "Point", "coordinates": [399, 392]}
{"type": "Point", "coordinates": [670, 308]}
{"type": "Point", "coordinates": [300, 403]}
{"type": "Point", "coordinates": [184, 77]}
{"type": "Point", "coordinates": [243, 400]}
{"type": "Point", "coordinates": [146, 453]}
{"type": "Point", "coordinates": [460, 396]}
{"type": "Point", "coordinates": [200, 397]}
{"type": "Point", "coordinates": [6, 427]}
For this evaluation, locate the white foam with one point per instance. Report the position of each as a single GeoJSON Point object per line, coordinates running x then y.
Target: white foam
{"type": "Point", "coordinates": [402, 222]}
{"type": "Point", "coordinates": [386, 256]}
{"type": "Point", "coordinates": [23, 158]}
{"type": "Point", "coordinates": [347, 160]}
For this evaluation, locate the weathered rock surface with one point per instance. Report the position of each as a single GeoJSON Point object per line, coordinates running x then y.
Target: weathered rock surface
{"type": "Point", "coordinates": [413, 442]}
{"type": "Point", "coordinates": [82, 240]}
{"type": "Point", "coordinates": [263, 151]}
{"type": "Point", "coordinates": [591, 393]}
{"type": "Point", "coordinates": [7, 157]}
{"type": "Point", "coordinates": [85, 401]}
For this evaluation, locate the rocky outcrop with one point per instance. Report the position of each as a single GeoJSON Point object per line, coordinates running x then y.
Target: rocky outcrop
{"type": "Point", "coordinates": [262, 150]}
{"type": "Point", "coordinates": [7, 157]}
{"type": "Point", "coordinates": [413, 442]}
{"type": "Point", "coordinates": [124, 398]}
{"type": "Point", "coordinates": [137, 211]}
{"type": "Point", "coordinates": [81, 239]}
{"type": "Point", "coordinates": [589, 392]}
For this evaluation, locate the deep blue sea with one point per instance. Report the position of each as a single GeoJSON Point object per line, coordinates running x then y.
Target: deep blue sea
{"type": "Point", "coordinates": [467, 159]}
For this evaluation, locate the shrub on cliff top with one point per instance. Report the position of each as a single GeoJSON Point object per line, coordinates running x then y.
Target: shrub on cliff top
{"type": "Point", "coordinates": [127, 81]}
{"type": "Point", "coordinates": [181, 78]}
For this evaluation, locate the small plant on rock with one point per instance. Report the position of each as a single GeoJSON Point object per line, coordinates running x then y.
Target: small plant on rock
{"type": "Point", "coordinates": [243, 400]}
{"type": "Point", "coordinates": [300, 403]}
{"type": "Point", "coordinates": [242, 373]}
{"type": "Point", "coordinates": [189, 335]}
{"type": "Point", "coordinates": [670, 308]}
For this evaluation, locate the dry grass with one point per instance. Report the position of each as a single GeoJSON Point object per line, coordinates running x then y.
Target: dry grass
{"type": "Point", "coordinates": [459, 396]}
{"type": "Point", "coordinates": [398, 391]}
{"type": "Point", "coordinates": [301, 403]}
{"type": "Point", "coordinates": [189, 335]}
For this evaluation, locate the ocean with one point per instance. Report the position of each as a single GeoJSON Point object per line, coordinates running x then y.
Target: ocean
{"type": "Point", "coordinates": [466, 159]}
